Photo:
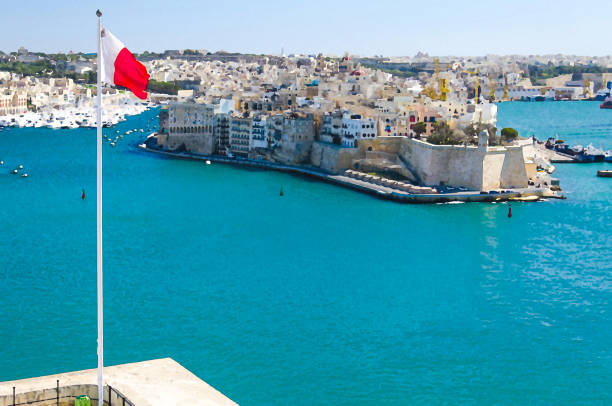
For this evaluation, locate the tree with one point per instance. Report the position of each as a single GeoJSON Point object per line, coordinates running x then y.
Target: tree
{"type": "Point", "coordinates": [472, 130]}
{"type": "Point", "coordinates": [509, 134]}
{"type": "Point", "coordinates": [419, 128]}
{"type": "Point", "coordinates": [444, 135]}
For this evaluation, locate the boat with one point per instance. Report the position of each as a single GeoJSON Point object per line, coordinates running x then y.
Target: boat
{"type": "Point", "coordinates": [602, 95]}
{"type": "Point", "coordinates": [14, 171]}
{"type": "Point", "coordinates": [25, 175]}
{"type": "Point", "coordinates": [529, 198]}
{"type": "Point", "coordinates": [604, 173]}
{"type": "Point", "coordinates": [608, 156]}
{"type": "Point", "coordinates": [207, 162]}
{"type": "Point", "coordinates": [591, 154]}
{"type": "Point", "coordinates": [607, 104]}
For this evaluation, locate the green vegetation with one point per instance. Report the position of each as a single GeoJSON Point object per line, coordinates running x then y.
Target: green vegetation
{"type": "Point", "coordinates": [419, 128]}
{"type": "Point", "coordinates": [509, 134]}
{"type": "Point", "coordinates": [542, 72]}
{"type": "Point", "coordinates": [44, 68]}
{"type": "Point", "coordinates": [147, 54]}
{"type": "Point", "coordinates": [472, 131]}
{"type": "Point", "coordinates": [443, 135]}
{"type": "Point", "coordinates": [163, 87]}
{"type": "Point", "coordinates": [38, 68]}
{"type": "Point", "coordinates": [402, 71]}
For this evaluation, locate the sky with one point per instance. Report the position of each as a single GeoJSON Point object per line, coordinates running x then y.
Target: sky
{"type": "Point", "coordinates": [374, 27]}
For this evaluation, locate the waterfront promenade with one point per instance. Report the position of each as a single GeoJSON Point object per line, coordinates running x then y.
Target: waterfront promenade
{"type": "Point", "coordinates": [160, 382]}
{"type": "Point", "coordinates": [377, 190]}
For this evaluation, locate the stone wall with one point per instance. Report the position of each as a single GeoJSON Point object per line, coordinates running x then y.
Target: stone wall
{"type": "Point", "coordinates": [444, 164]}
{"type": "Point", "coordinates": [514, 172]}
{"type": "Point", "coordinates": [67, 396]}
{"type": "Point", "coordinates": [333, 158]}
{"type": "Point", "coordinates": [196, 143]}
{"type": "Point", "coordinates": [468, 166]}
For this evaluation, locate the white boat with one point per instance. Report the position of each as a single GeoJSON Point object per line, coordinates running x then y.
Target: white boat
{"type": "Point", "coordinates": [207, 162]}
{"type": "Point", "coordinates": [25, 175]}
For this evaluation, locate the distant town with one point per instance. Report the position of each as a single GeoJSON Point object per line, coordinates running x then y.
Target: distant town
{"type": "Point", "coordinates": [397, 127]}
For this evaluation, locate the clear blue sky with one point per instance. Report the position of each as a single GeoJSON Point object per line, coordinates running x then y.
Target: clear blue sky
{"type": "Point", "coordinates": [391, 28]}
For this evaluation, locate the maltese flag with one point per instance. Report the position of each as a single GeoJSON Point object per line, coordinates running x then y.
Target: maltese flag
{"type": "Point", "coordinates": [119, 67]}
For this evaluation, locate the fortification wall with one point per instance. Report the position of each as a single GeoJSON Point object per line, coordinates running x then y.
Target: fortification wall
{"type": "Point", "coordinates": [514, 172]}
{"type": "Point", "coordinates": [333, 158]}
{"type": "Point", "coordinates": [196, 143]}
{"type": "Point", "coordinates": [444, 164]}
{"type": "Point", "coordinates": [493, 162]}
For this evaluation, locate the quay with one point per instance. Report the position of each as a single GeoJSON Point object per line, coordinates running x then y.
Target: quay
{"type": "Point", "coordinates": [160, 382]}
{"type": "Point", "coordinates": [386, 192]}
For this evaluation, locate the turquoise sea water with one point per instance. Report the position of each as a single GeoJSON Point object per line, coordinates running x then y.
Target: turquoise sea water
{"type": "Point", "coordinates": [323, 296]}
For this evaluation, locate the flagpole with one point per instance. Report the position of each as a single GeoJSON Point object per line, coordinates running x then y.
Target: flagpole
{"type": "Point", "coordinates": [99, 222]}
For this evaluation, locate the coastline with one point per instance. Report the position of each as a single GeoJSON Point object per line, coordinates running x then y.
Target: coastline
{"type": "Point", "coordinates": [378, 191]}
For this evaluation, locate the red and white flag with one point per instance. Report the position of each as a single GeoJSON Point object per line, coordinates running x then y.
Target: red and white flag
{"type": "Point", "coordinates": [119, 67]}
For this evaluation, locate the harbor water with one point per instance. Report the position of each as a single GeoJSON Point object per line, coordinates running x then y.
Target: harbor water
{"type": "Point", "coordinates": [321, 296]}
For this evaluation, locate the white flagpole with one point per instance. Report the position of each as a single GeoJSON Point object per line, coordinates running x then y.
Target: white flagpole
{"type": "Point", "coordinates": [99, 222]}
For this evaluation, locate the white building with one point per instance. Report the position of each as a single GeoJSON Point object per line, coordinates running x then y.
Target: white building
{"type": "Point", "coordinates": [355, 128]}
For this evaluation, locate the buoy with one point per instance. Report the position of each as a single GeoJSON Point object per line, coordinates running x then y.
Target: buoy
{"type": "Point", "coordinates": [509, 211]}
{"type": "Point", "coordinates": [83, 194]}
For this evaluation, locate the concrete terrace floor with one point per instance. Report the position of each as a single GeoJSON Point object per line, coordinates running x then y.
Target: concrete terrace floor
{"type": "Point", "coordinates": [148, 383]}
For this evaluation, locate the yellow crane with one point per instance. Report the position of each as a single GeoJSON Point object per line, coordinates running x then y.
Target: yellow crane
{"type": "Point", "coordinates": [587, 89]}
{"type": "Point", "coordinates": [430, 90]}
{"type": "Point", "coordinates": [444, 88]}
{"type": "Point", "coordinates": [442, 83]}
{"type": "Point", "coordinates": [477, 74]}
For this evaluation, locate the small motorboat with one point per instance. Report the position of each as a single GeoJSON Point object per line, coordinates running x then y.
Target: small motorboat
{"type": "Point", "coordinates": [112, 144]}
{"type": "Point", "coordinates": [14, 171]}
{"type": "Point", "coordinates": [607, 104]}
{"type": "Point", "coordinates": [1, 163]}
{"type": "Point", "coordinates": [604, 173]}
{"type": "Point", "coordinates": [20, 167]}
{"type": "Point", "coordinates": [25, 175]}
{"type": "Point", "coordinates": [207, 162]}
